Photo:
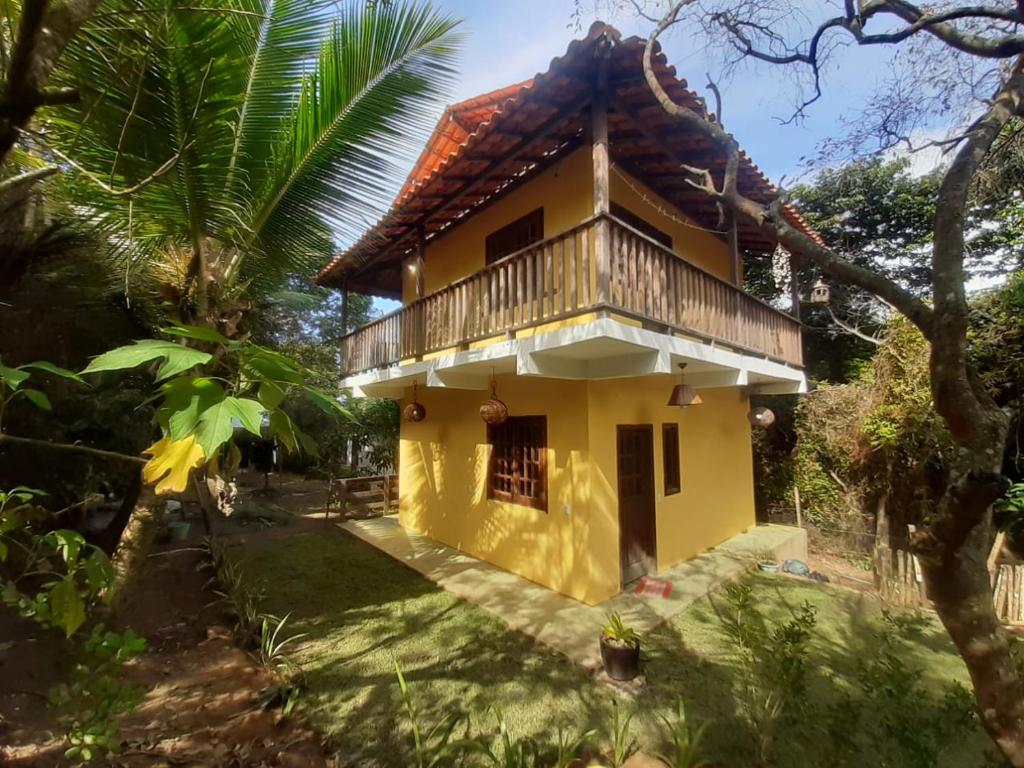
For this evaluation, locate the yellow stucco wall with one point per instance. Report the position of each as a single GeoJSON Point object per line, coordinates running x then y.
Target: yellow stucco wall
{"type": "Point", "coordinates": [716, 461]}
{"type": "Point", "coordinates": [443, 494]}
{"type": "Point", "coordinates": [574, 547]}
{"type": "Point", "coordinates": [565, 191]}
{"type": "Point", "coordinates": [699, 246]}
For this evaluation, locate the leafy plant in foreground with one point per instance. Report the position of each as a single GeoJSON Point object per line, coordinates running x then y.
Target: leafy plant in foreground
{"type": "Point", "coordinates": [686, 741]}
{"type": "Point", "coordinates": [773, 666]}
{"type": "Point", "coordinates": [97, 695]}
{"type": "Point", "coordinates": [905, 725]}
{"type": "Point", "coordinates": [623, 744]}
{"type": "Point", "coordinates": [204, 392]}
{"type": "Point", "coordinates": [435, 746]}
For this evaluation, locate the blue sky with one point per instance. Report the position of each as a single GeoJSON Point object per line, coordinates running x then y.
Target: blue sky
{"type": "Point", "coordinates": [510, 40]}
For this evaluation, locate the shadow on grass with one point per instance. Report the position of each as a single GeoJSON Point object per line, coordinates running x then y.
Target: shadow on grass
{"type": "Point", "coordinates": [364, 611]}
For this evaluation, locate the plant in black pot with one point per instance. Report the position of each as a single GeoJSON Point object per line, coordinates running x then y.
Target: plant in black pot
{"type": "Point", "coordinates": [620, 649]}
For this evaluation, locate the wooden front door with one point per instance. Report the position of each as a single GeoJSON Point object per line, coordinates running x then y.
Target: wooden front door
{"type": "Point", "coordinates": [637, 537]}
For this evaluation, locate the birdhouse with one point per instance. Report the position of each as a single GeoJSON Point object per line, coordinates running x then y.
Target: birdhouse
{"type": "Point", "coordinates": [819, 292]}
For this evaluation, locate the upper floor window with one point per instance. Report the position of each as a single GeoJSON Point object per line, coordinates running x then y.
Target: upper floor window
{"type": "Point", "coordinates": [518, 467]}
{"type": "Point", "coordinates": [515, 236]}
{"type": "Point", "coordinates": [670, 456]}
{"type": "Point", "coordinates": [641, 225]}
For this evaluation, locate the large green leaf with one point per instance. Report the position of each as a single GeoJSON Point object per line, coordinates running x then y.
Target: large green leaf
{"type": "Point", "coordinates": [216, 423]}
{"type": "Point", "coordinates": [12, 377]}
{"type": "Point", "coordinates": [38, 399]}
{"type": "Point", "coordinates": [177, 359]}
{"type": "Point", "coordinates": [185, 400]}
{"type": "Point", "coordinates": [197, 332]}
{"type": "Point", "coordinates": [56, 370]}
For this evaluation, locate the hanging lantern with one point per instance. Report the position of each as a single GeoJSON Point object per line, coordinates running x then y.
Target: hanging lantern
{"type": "Point", "coordinates": [683, 394]}
{"type": "Point", "coordinates": [414, 411]}
{"type": "Point", "coordinates": [493, 411]}
{"type": "Point", "coordinates": [761, 417]}
{"type": "Point", "coordinates": [820, 292]}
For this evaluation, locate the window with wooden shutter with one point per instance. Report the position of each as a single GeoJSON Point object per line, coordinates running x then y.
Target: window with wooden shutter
{"type": "Point", "coordinates": [670, 457]}
{"type": "Point", "coordinates": [518, 466]}
{"type": "Point", "coordinates": [626, 216]}
{"type": "Point", "coordinates": [515, 236]}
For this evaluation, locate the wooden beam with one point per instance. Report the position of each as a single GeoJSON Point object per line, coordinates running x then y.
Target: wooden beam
{"type": "Point", "coordinates": [794, 288]}
{"type": "Point", "coordinates": [471, 182]}
{"type": "Point", "coordinates": [732, 237]}
{"type": "Point", "coordinates": [421, 247]}
{"type": "Point", "coordinates": [601, 161]}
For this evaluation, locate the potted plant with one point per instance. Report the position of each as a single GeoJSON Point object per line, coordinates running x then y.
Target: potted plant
{"type": "Point", "coordinates": [767, 562]}
{"type": "Point", "coordinates": [620, 649]}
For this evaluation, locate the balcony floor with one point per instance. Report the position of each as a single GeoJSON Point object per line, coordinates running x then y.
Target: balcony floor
{"type": "Point", "coordinates": [601, 348]}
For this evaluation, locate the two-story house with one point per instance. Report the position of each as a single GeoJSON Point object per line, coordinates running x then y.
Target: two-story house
{"type": "Point", "coordinates": [548, 249]}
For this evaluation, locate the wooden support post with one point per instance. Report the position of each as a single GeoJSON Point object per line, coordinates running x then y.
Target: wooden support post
{"type": "Point", "coordinates": [794, 288]}
{"type": "Point", "coordinates": [733, 238]}
{"type": "Point", "coordinates": [599, 133]}
{"type": "Point", "coordinates": [421, 245]}
{"type": "Point", "coordinates": [344, 330]}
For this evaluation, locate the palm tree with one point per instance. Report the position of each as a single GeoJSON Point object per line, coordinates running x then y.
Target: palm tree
{"type": "Point", "coordinates": [222, 145]}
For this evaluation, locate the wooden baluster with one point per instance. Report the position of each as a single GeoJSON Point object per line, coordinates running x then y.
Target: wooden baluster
{"type": "Point", "coordinates": [573, 271]}
{"type": "Point", "coordinates": [530, 284]}
{"type": "Point", "coordinates": [520, 276]}
{"type": "Point", "coordinates": [549, 280]}
{"type": "Point", "coordinates": [485, 289]}
{"type": "Point", "coordinates": [585, 264]}
{"type": "Point", "coordinates": [632, 301]}
{"type": "Point", "coordinates": [558, 251]}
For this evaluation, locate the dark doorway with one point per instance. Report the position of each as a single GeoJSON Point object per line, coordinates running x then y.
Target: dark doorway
{"type": "Point", "coordinates": [637, 536]}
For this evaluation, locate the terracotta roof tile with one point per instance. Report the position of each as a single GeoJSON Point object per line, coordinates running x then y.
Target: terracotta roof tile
{"type": "Point", "coordinates": [473, 124]}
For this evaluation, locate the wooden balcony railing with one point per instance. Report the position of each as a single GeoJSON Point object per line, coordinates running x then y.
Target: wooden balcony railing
{"type": "Point", "coordinates": [566, 275]}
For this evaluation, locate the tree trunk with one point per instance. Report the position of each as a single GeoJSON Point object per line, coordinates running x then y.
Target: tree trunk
{"type": "Point", "coordinates": [954, 551]}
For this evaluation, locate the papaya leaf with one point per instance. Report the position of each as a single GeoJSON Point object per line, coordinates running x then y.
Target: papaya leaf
{"type": "Point", "coordinates": [261, 364]}
{"type": "Point", "coordinates": [177, 359]}
{"type": "Point", "coordinates": [38, 399]}
{"type": "Point", "coordinates": [281, 427]}
{"type": "Point", "coordinates": [198, 333]}
{"type": "Point", "coordinates": [270, 394]}
{"type": "Point", "coordinates": [329, 405]}
{"type": "Point", "coordinates": [172, 461]}
{"type": "Point", "coordinates": [185, 400]}
{"type": "Point", "coordinates": [217, 423]}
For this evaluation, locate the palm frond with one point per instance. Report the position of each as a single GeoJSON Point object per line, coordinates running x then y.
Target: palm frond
{"type": "Point", "coordinates": [365, 107]}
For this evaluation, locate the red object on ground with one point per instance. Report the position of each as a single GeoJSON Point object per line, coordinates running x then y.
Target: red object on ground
{"type": "Point", "coordinates": [653, 588]}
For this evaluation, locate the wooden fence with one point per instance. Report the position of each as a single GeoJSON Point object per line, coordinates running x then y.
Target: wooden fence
{"type": "Point", "coordinates": [898, 578]}
{"type": "Point", "coordinates": [900, 582]}
{"type": "Point", "coordinates": [361, 497]}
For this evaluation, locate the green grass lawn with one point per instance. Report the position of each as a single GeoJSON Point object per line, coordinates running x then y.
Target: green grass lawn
{"type": "Point", "coordinates": [363, 611]}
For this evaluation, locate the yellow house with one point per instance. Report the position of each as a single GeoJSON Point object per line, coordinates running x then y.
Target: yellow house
{"type": "Point", "coordinates": [549, 254]}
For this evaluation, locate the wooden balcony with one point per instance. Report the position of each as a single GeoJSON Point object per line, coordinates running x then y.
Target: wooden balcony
{"type": "Point", "coordinates": [600, 264]}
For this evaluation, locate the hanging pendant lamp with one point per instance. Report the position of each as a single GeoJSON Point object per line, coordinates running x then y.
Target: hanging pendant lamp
{"type": "Point", "coordinates": [414, 411]}
{"type": "Point", "coordinates": [494, 411]}
{"type": "Point", "coordinates": [684, 395]}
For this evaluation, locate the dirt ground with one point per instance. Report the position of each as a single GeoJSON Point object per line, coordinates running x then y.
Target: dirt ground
{"type": "Point", "coordinates": [201, 706]}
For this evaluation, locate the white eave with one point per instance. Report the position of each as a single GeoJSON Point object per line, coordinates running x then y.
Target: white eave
{"type": "Point", "coordinates": [601, 349]}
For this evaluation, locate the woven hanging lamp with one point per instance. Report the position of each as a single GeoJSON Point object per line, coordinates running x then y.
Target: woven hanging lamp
{"type": "Point", "coordinates": [414, 411]}
{"type": "Point", "coordinates": [761, 417]}
{"type": "Point", "coordinates": [684, 395]}
{"type": "Point", "coordinates": [494, 411]}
